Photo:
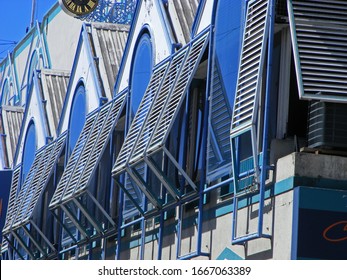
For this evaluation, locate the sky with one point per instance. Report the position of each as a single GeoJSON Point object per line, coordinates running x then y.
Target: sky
{"type": "Point", "coordinates": [15, 18]}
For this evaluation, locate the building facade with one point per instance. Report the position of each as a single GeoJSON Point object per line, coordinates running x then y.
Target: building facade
{"type": "Point", "coordinates": [177, 130]}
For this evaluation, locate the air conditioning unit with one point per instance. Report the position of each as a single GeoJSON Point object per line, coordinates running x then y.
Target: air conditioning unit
{"type": "Point", "coordinates": [327, 125]}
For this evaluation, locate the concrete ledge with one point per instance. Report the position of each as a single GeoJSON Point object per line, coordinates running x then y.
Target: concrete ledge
{"type": "Point", "coordinates": [312, 166]}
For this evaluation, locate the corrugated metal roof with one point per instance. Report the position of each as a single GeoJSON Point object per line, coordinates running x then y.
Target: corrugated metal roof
{"type": "Point", "coordinates": [54, 87]}
{"type": "Point", "coordinates": [186, 11]}
{"type": "Point", "coordinates": [109, 43]}
{"type": "Point", "coordinates": [11, 118]}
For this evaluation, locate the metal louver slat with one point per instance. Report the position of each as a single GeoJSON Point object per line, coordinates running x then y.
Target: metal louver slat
{"type": "Point", "coordinates": [27, 182]}
{"type": "Point", "coordinates": [177, 94]}
{"type": "Point", "coordinates": [69, 169]}
{"type": "Point", "coordinates": [252, 57]}
{"type": "Point", "coordinates": [86, 150]}
{"type": "Point", "coordinates": [101, 142]}
{"type": "Point", "coordinates": [4, 245]}
{"type": "Point", "coordinates": [58, 148]}
{"type": "Point", "coordinates": [12, 199]}
{"type": "Point", "coordinates": [318, 31]}
{"type": "Point", "coordinates": [139, 119]}
{"type": "Point", "coordinates": [40, 168]}
{"type": "Point", "coordinates": [133, 199]}
{"type": "Point", "coordinates": [219, 135]}
{"type": "Point", "coordinates": [158, 104]}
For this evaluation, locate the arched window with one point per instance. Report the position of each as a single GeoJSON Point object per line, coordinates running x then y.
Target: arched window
{"type": "Point", "coordinates": [77, 116]}
{"type": "Point", "coordinates": [29, 150]}
{"type": "Point", "coordinates": [141, 69]}
{"type": "Point", "coordinates": [227, 43]}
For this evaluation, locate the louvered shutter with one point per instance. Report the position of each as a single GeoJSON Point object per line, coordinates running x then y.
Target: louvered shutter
{"type": "Point", "coordinates": [158, 105]}
{"type": "Point", "coordinates": [318, 31]}
{"type": "Point", "coordinates": [251, 67]}
{"type": "Point", "coordinates": [177, 94]}
{"type": "Point", "coordinates": [139, 119]}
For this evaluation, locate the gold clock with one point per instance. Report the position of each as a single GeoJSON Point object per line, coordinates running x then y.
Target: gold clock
{"type": "Point", "coordinates": [78, 8]}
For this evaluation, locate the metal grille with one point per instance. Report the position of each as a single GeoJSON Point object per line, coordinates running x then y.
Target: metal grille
{"type": "Point", "coordinates": [12, 199]}
{"type": "Point", "coordinates": [63, 183]}
{"type": "Point", "coordinates": [139, 119]}
{"type": "Point", "coordinates": [250, 68]}
{"type": "Point", "coordinates": [46, 173]}
{"type": "Point", "coordinates": [158, 105]}
{"type": "Point", "coordinates": [177, 94]}
{"type": "Point", "coordinates": [319, 39]}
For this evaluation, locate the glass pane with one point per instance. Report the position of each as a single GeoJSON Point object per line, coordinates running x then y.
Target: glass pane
{"type": "Point", "coordinates": [77, 117]}
{"type": "Point", "coordinates": [142, 70]}
{"type": "Point", "coordinates": [29, 150]}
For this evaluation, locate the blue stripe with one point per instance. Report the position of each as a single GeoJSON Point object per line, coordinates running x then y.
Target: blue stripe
{"type": "Point", "coordinates": [323, 199]}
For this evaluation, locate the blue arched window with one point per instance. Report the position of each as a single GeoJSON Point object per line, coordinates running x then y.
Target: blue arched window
{"type": "Point", "coordinates": [141, 69]}
{"type": "Point", "coordinates": [227, 45]}
{"type": "Point", "coordinates": [30, 146]}
{"type": "Point", "coordinates": [77, 115]}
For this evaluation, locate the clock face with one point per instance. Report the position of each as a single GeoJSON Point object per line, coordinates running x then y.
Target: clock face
{"type": "Point", "coordinates": [78, 7]}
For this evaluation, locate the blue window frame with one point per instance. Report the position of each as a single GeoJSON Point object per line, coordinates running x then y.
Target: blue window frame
{"type": "Point", "coordinates": [30, 146]}
{"type": "Point", "coordinates": [141, 69]}
{"type": "Point", "coordinates": [77, 116]}
{"type": "Point", "coordinates": [227, 44]}
{"type": "Point", "coordinates": [5, 92]}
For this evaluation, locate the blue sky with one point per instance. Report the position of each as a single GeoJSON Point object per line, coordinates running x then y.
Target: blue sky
{"type": "Point", "coordinates": [15, 18]}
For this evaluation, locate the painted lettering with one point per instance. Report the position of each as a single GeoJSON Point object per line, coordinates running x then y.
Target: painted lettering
{"type": "Point", "coordinates": [340, 227]}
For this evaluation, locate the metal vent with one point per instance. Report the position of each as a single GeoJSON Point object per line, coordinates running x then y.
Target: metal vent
{"type": "Point", "coordinates": [318, 30]}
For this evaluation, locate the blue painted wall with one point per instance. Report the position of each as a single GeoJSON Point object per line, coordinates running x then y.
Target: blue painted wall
{"type": "Point", "coordinates": [5, 186]}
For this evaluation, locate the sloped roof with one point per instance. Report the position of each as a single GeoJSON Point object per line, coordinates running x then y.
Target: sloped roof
{"type": "Point", "coordinates": [11, 118]}
{"type": "Point", "coordinates": [109, 43]}
{"type": "Point", "coordinates": [54, 87]}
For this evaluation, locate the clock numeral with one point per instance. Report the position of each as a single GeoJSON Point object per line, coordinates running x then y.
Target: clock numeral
{"type": "Point", "coordinates": [72, 6]}
{"type": "Point", "coordinates": [79, 10]}
{"type": "Point", "coordinates": [91, 4]}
